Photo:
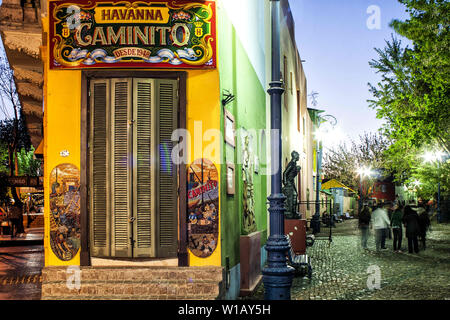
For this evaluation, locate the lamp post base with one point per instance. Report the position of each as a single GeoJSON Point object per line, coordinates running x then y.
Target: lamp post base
{"type": "Point", "coordinates": [315, 223]}
{"type": "Point", "coordinates": [277, 276]}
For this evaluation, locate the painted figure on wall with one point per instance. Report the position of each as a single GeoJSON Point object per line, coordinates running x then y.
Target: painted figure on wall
{"type": "Point", "coordinates": [203, 208]}
{"type": "Point", "coordinates": [65, 211]}
{"type": "Point", "coordinates": [289, 188]}
{"type": "Point", "coordinates": [248, 190]}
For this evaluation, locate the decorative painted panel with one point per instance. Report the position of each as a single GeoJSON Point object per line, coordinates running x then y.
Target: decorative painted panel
{"type": "Point", "coordinates": [117, 34]}
{"type": "Point", "coordinates": [65, 211]}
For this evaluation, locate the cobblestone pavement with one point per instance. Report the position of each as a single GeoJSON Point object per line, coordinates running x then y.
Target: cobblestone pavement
{"type": "Point", "coordinates": [342, 270]}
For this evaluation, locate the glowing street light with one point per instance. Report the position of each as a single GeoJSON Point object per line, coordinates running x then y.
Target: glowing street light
{"type": "Point", "coordinates": [363, 172]}
{"type": "Point", "coordinates": [431, 156]}
{"type": "Point", "coordinates": [417, 183]}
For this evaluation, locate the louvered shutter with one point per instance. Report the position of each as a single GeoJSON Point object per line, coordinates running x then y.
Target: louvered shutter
{"type": "Point", "coordinates": [120, 163]}
{"type": "Point", "coordinates": [167, 101]}
{"type": "Point", "coordinates": [98, 188]}
{"type": "Point", "coordinates": [143, 168]}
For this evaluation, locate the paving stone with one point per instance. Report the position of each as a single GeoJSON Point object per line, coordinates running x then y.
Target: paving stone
{"type": "Point", "coordinates": [341, 269]}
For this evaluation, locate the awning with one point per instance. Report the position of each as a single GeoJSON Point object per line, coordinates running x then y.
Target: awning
{"type": "Point", "coordinates": [39, 152]}
{"type": "Point", "coordinates": [333, 183]}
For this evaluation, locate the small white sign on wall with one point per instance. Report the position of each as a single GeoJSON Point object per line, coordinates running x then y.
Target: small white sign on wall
{"type": "Point", "coordinates": [64, 153]}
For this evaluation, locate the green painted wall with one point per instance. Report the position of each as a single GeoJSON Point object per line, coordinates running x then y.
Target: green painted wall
{"type": "Point", "coordinates": [238, 76]}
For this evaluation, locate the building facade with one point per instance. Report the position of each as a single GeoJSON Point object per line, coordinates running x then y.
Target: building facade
{"type": "Point", "coordinates": [21, 34]}
{"type": "Point", "coordinates": [157, 143]}
{"type": "Point", "coordinates": [297, 126]}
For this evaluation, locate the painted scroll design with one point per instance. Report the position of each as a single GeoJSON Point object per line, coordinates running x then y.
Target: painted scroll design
{"type": "Point", "coordinates": [197, 19]}
{"type": "Point", "coordinates": [203, 208]}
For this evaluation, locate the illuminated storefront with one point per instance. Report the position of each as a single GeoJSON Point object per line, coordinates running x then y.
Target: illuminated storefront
{"type": "Point", "coordinates": [120, 79]}
{"type": "Point", "coordinates": [156, 136]}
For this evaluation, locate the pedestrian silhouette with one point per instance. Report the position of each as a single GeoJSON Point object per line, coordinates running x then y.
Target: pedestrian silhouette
{"type": "Point", "coordinates": [424, 224]}
{"type": "Point", "coordinates": [411, 222]}
{"type": "Point", "coordinates": [363, 224]}
{"type": "Point", "coordinates": [380, 222]}
{"type": "Point", "coordinates": [397, 228]}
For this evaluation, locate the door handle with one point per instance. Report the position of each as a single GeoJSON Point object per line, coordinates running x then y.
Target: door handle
{"type": "Point", "coordinates": [131, 219]}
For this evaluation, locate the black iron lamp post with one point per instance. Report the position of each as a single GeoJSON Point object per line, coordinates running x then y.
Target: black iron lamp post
{"type": "Point", "coordinates": [315, 221]}
{"type": "Point", "coordinates": [277, 275]}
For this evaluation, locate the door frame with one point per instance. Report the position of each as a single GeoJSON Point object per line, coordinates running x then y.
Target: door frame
{"type": "Point", "coordinates": [86, 76]}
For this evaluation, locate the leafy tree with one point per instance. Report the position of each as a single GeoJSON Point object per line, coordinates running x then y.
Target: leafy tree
{"type": "Point", "coordinates": [13, 130]}
{"type": "Point", "coordinates": [27, 163]}
{"type": "Point", "coordinates": [4, 158]}
{"type": "Point", "coordinates": [342, 163]}
{"type": "Point", "coordinates": [413, 93]}
{"type": "Point", "coordinates": [429, 176]}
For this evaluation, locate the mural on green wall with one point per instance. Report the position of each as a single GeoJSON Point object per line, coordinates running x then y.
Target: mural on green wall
{"type": "Point", "coordinates": [249, 221]}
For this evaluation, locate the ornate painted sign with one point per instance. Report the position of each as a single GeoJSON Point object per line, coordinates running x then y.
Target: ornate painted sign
{"type": "Point", "coordinates": [203, 207]}
{"type": "Point", "coordinates": [25, 181]}
{"type": "Point", "coordinates": [117, 34]}
{"type": "Point", "coordinates": [65, 211]}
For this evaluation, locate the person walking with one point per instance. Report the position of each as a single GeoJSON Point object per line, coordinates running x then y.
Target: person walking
{"type": "Point", "coordinates": [411, 221]}
{"type": "Point", "coordinates": [15, 213]}
{"type": "Point", "coordinates": [397, 229]}
{"type": "Point", "coordinates": [380, 222]}
{"type": "Point", "coordinates": [363, 224]}
{"type": "Point", "coordinates": [424, 224]}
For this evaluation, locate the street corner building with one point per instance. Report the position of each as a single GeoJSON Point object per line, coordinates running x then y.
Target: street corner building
{"type": "Point", "coordinates": [156, 144]}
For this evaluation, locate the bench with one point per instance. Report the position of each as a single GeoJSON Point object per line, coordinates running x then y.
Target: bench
{"type": "Point", "coordinates": [301, 263]}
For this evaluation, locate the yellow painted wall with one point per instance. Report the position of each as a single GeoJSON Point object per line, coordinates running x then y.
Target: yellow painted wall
{"type": "Point", "coordinates": [203, 104]}
{"type": "Point", "coordinates": [62, 132]}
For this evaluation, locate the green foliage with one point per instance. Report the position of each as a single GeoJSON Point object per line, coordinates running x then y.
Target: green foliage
{"type": "Point", "coordinates": [413, 93]}
{"type": "Point", "coordinates": [3, 158]}
{"type": "Point", "coordinates": [429, 175]}
{"type": "Point", "coordinates": [27, 163]}
{"type": "Point", "coordinates": [7, 133]}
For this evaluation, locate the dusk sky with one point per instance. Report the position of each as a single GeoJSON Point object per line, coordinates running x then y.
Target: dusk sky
{"type": "Point", "coordinates": [334, 39]}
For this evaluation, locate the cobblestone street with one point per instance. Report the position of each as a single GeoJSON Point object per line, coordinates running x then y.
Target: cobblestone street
{"type": "Point", "coordinates": [342, 270]}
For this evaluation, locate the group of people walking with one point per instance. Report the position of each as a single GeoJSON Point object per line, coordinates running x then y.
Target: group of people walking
{"type": "Point", "coordinates": [388, 220]}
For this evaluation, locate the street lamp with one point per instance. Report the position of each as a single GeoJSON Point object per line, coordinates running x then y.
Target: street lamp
{"type": "Point", "coordinates": [277, 275]}
{"type": "Point", "coordinates": [436, 156]}
{"type": "Point", "coordinates": [320, 136]}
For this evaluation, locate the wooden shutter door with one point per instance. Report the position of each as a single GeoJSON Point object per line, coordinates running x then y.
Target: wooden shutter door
{"type": "Point", "coordinates": [121, 188]}
{"type": "Point", "coordinates": [143, 168]}
{"type": "Point", "coordinates": [98, 187]}
{"type": "Point", "coordinates": [167, 101]}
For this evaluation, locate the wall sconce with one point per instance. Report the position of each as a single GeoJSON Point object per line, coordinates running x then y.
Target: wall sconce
{"type": "Point", "coordinates": [228, 97]}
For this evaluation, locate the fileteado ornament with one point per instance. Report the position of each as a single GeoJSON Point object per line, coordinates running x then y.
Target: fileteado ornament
{"type": "Point", "coordinates": [110, 34]}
